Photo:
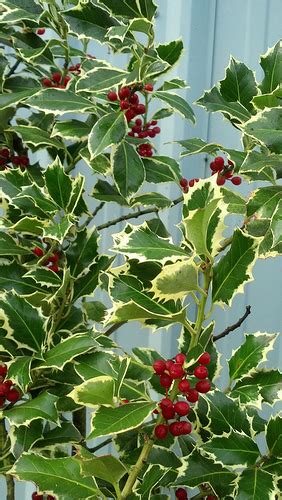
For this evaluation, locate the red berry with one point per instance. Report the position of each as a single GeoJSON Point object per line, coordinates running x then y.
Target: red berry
{"type": "Point", "coordinates": [159, 366]}
{"type": "Point", "coordinates": [192, 395]}
{"type": "Point", "coordinates": [203, 386]}
{"type": "Point", "coordinates": [201, 372]}
{"type": "Point", "coordinates": [142, 135]}
{"type": "Point", "coordinates": [23, 161]}
{"type": "Point", "coordinates": [50, 497]}
{"type": "Point", "coordinates": [37, 496]}
{"type": "Point", "coordinates": [168, 364]}
{"type": "Point", "coordinates": [204, 359]}
{"type": "Point", "coordinates": [66, 80]}
{"type": "Point", "coordinates": [129, 114]}
{"type": "Point", "coordinates": [161, 431]}
{"type": "Point", "coordinates": [124, 92]}
{"type": "Point", "coordinates": [46, 82]}
{"type": "Point", "coordinates": [211, 497]}
{"type": "Point", "coordinates": [72, 68]}
{"type": "Point", "coordinates": [4, 389]}
{"type": "Point", "coordinates": [56, 77]}
{"type": "Point", "coordinates": [236, 181]}
{"type": "Point", "coordinates": [8, 383]}
{"type": "Point", "coordinates": [3, 370]}
{"type": "Point", "coordinates": [149, 87]}
{"type": "Point", "coordinates": [154, 122]}
{"type": "Point", "coordinates": [213, 166]}
{"type": "Point", "coordinates": [191, 182]}
{"type": "Point", "coordinates": [140, 109]}
{"type": "Point", "coordinates": [13, 395]}
{"type": "Point", "coordinates": [166, 403]}
{"type": "Point", "coordinates": [54, 258]}
{"type": "Point", "coordinates": [38, 251]}
{"type": "Point", "coordinates": [54, 268]}
{"type": "Point", "coordinates": [112, 96]}
{"type": "Point", "coordinates": [5, 153]}
{"type": "Point", "coordinates": [136, 129]}
{"type": "Point", "coordinates": [40, 31]}
{"type": "Point", "coordinates": [180, 358]}
{"type": "Point", "coordinates": [182, 408]}
{"type": "Point", "coordinates": [181, 494]}
{"type": "Point", "coordinates": [168, 413]}
{"type": "Point", "coordinates": [165, 380]}
{"type": "Point", "coordinates": [175, 428]}
{"type": "Point", "coordinates": [134, 99]}
{"type": "Point", "coordinates": [124, 105]}
{"type": "Point", "coordinates": [176, 371]}
{"type": "Point", "coordinates": [138, 122]}
{"type": "Point", "coordinates": [156, 130]}
{"type": "Point", "coordinates": [151, 134]}
{"type": "Point", "coordinates": [220, 180]}
{"type": "Point", "coordinates": [183, 182]}
{"type": "Point", "coordinates": [186, 428]}
{"type": "Point", "coordinates": [219, 161]}
{"type": "Point", "coordinates": [131, 134]}
{"type": "Point", "coordinates": [184, 385]}
{"type": "Point", "coordinates": [125, 401]}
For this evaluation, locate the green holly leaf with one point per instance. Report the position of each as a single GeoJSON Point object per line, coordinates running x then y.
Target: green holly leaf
{"type": "Point", "coordinates": [161, 169]}
{"type": "Point", "coordinates": [71, 130]}
{"type": "Point", "coordinates": [57, 476]}
{"type": "Point", "coordinates": [58, 230]}
{"type": "Point", "coordinates": [68, 349]}
{"type": "Point", "coordinates": [268, 382]}
{"type": "Point", "coordinates": [156, 199]}
{"type": "Point", "coordinates": [152, 478]}
{"type": "Point", "coordinates": [175, 83]}
{"type": "Point", "coordinates": [82, 251]}
{"type": "Point", "coordinates": [235, 268]}
{"type": "Point", "coordinates": [107, 131]}
{"type": "Point", "coordinates": [234, 449]}
{"type": "Point", "coordinates": [66, 433]}
{"type": "Point", "coordinates": [35, 136]}
{"type": "Point", "coordinates": [41, 407]}
{"type": "Point", "coordinates": [97, 364]}
{"type": "Point", "coordinates": [253, 351]}
{"type": "Point", "coordinates": [146, 8]}
{"type": "Point", "coordinates": [213, 101]}
{"type": "Point", "coordinates": [23, 438]}
{"type": "Point", "coordinates": [11, 99]}
{"type": "Point", "coordinates": [177, 103]}
{"type": "Point", "coordinates": [101, 79]}
{"type": "Point", "coordinates": [100, 164]}
{"type": "Point", "coordinates": [171, 53]}
{"type": "Point", "coordinates": [100, 466]}
{"type": "Point", "coordinates": [19, 372]}
{"type": "Point", "coordinates": [264, 201]}
{"type": "Point", "coordinates": [235, 203]}
{"type": "Point", "coordinates": [271, 63]}
{"type": "Point", "coordinates": [8, 246]}
{"type": "Point", "coordinates": [106, 192]}
{"type": "Point", "coordinates": [107, 421]}
{"type": "Point", "coordinates": [257, 162]}
{"type": "Point", "coordinates": [23, 322]}
{"type": "Point", "coordinates": [58, 183]}
{"type": "Point", "coordinates": [142, 244]}
{"type": "Point", "coordinates": [247, 392]}
{"type": "Point", "coordinates": [274, 436]}
{"type": "Point", "coordinates": [128, 169]}
{"type": "Point", "coordinates": [175, 281]}
{"type": "Point", "coordinates": [94, 392]}
{"type": "Point", "coordinates": [59, 101]}
{"type": "Point", "coordinates": [254, 484]}
{"type": "Point", "coordinates": [265, 127]}
{"type": "Point", "coordinates": [86, 284]}
{"type": "Point", "coordinates": [40, 275]}
{"type": "Point", "coordinates": [239, 84]}
{"type": "Point", "coordinates": [198, 469]}
{"type": "Point", "coordinates": [224, 414]}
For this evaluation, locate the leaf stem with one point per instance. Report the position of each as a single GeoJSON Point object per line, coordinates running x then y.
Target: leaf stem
{"type": "Point", "coordinates": [201, 308]}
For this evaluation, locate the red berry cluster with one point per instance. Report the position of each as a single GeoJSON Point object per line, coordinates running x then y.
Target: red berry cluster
{"type": "Point", "coordinates": [51, 262]}
{"type": "Point", "coordinates": [128, 102]}
{"type": "Point", "coordinates": [57, 80]}
{"type": "Point", "coordinates": [142, 130]}
{"type": "Point", "coordinates": [6, 159]}
{"type": "Point", "coordinates": [76, 68]}
{"type": "Point", "coordinates": [185, 184]}
{"type": "Point", "coordinates": [8, 394]}
{"type": "Point", "coordinates": [173, 369]}
{"type": "Point", "coordinates": [224, 172]}
{"type": "Point", "coordinates": [38, 496]}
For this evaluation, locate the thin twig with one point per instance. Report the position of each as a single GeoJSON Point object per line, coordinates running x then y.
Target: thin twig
{"type": "Point", "coordinates": [135, 215]}
{"type": "Point", "coordinates": [94, 213]}
{"type": "Point", "coordinates": [113, 328]}
{"type": "Point", "coordinates": [13, 68]}
{"type": "Point", "coordinates": [233, 327]}
{"type": "Point", "coordinates": [101, 445]}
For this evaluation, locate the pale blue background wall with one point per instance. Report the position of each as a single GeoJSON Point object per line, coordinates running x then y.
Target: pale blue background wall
{"type": "Point", "coordinates": [211, 30]}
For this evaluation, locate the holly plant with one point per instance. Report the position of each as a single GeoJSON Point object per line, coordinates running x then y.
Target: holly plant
{"type": "Point", "coordinates": [67, 389]}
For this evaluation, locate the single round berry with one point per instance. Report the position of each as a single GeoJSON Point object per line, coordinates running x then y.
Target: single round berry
{"type": "Point", "coordinates": [124, 105]}
{"type": "Point", "coordinates": [8, 384]}
{"type": "Point", "coordinates": [131, 134]}
{"type": "Point", "coordinates": [66, 80]}
{"type": "Point", "coordinates": [219, 161]}
{"type": "Point", "coordinates": [142, 135]}
{"type": "Point", "coordinates": [165, 380]}
{"type": "Point", "coordinates": [183, 182]}
{"type": "Point", "coordinates": [151, 134]}
{"type": "Point", "coordinates": [5, 153]}
{"type": "Point", "coordinates": [129, 114]}
{"type": "Point", "coordinates": [184, 385]}
{"type": "Point", "coordinates": [124, 92]}
{"type": "Point", "coordinates": [228, 174]}
{"type": "Point", "coordinates": [13, 395]}
{"type": "Point", "coordinates": [56, 77]}
{"type": "Point", "coordinates": [180, 358]}
{"type": "Point", "coordinates": [154, 122]}
{"type": "Point", "coordinates": [168, 364]}
{"type": "Point", "coordinates": [220, 180]}
{"type": "Point", "coordinates": [23, 161]}
{"type": "Point", "coordinates": [186, 428]}
{"type": "Point", "coordinates": [168, 413]}
{"type": "Point", "coordinates": [161, 431]}
{"type": "Point", "coordinates": [203, 386]}
{"type": "Point", "coordinates": [166, 403]}
{"type": "Point", "coordinates": [182, 408]}
{"type": "Point", "coordinates": [192, 395]}
{"type": "Point", "coordinates": [176, 371]}
{"type": "Point", "coordinates": [40, 31]}
{"type": "Point", "coordinates": [38, 251]}
{"type": "Point", "coordinates": [54, 268]}
{"type": "Point", "coordinates": [134, 99]}
{"type": "Point", "coordinates": [191, 182]}
{"type": "Point", "coordinates": [236, 181]}
{"type": "Point", "coordinates": [181, 494]}
{"type": "Point", "coordinates": [156, 130]}
{"type": "Point", "coordinates": [36, 496]}
{"type": "Point", "coordinates": [112, 96]}
{"type": "Point", "coordinates": [149, 87]}
{"type": "Point", "coordinates": [4, 389]}
{"type": "Point", "coordinates": [140, 109]}
{"type": "Point", "coordinates": [201, 372]}
{"type": "Point", "coordinates": [47, 82]}
{"type": "Point", "coordinates": [159, 366]}
{"type": "Point", "coordinates": [3, 370]}
{"type": "Point", "coordinates": [213, 166]}
{"type": "Point", "coordinates": [54, 258]}
{"type": "Point", "coordinates": [175, 428]}
{"type": "Point", "coordinates": [138, 122]}
{"type": "Point", "coordinates": [205, 358]}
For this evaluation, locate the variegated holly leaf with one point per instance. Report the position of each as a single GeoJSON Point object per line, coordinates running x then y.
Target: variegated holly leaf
{"type": "Point", "coordinates": [41, 407]}
{"type": "Point", "coordinates": [8, 246]}
{"type": "Point", "coordinates": [59, 230]}
{"type": "Point", "coordinates": [41, 276]}
{"type": "Point", "coordinates": [108, 421]}
{"type": "Point", "coordinates": [59, 101]}
{"type": "Point", "coordinates": [19, 372]}
{"type": "Point", "coordinates": [71, 129]}
{"type": "Point", "coordinates": [100, 164]}
{"type": "Point", "coordinates": [97, 364]}
{"type": "Point", "coordinates": [57, 476]}
{"type": "Point", "coordinates": [131, 10]}
{"type": "Point", "coordinates": [100, 466]}
{"type": "Point", "coordinates": [128, 169]}
{"type": "Point", "coordinates": [66, 433]}
{"type": "Point", "coordinates": [213, 101]}
{"type": "Point", "coordinates": [106, 192]}
{"type": "Point", "coordinates": [154, 477]}
{"type": "Point", "coordinates": [175, 281]}
{"type": "Point", "coordinates": [156, 199]}
{"type": "Point", "coordinates": [36, 137]}
{"type": "Point", "coordinates": [262, 386]}
{"type": "Point", "coordinates": [224, 415]}
{"type": "Point", "coordinates": [86, 284]}
{"type": "Point", "coordinates": [271, 63]}
{"type": "Point", "coordinates": [198, 469]}
{"type": "Point", "coordinates": [235, 449]}
{"type": "Point", "coordinates": [264, 201]}
{"type": "Point", "coordinates": [247, 392]}
{"type": "Point", "coordinates": [82, 251]}
{"type": "Point", "coordinates": [253, 483]}
{"type": "Point", "coordinates": [58, 184]}
{"type": "Point", "coordinates": [24, 323]}
{"type": "Point", "coordinates": [239, 84]}
{"type": "Point", "coordinates": [274, 436]}
{"type": "Point", "coordinates": [250, 354]}
{"type": "Point", "coordinates": [11, 99]}
{"type": "Point", "coordinates": [265, 128]}
{"type": "Point", "coordinates": [138, 242]}
{"type": "Point", "coordinates": [107, 131]}
{"type": "Point", "coordinates": [257, 162]}
{"type": "Point", "coordinates": [235, 268]}
{"type": "Point", "coordinates": [14, 277]}
{"type": "Point", "coordinates": [161, 169]}
{"type": "Point", "coordinates": [94, 392]}
{"type": "Point", "coordinates": [68, 349]}
{"type": "Point", "coordinates": [101, 79]}
{"type": "Point", "coordinates": [235, 202]}
{"type": "Point", "coordinates": [171, 53]}
{"type": "Point", "coordinates": [177, 103]}
{"type": "Point", "coordinates": [25, 436]}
